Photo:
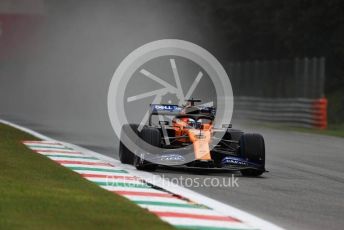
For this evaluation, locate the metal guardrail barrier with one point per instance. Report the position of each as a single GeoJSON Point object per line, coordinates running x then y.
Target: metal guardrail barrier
{"type": "Point", "coordinates": [293, 111]}
{"type": "Point", "coordinates": [285, 91]}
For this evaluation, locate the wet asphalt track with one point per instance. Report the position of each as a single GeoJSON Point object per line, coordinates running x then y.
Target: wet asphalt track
{"type": "Point", "coordinates": [303, 190]}
{"type": "Point", "coordinates": [58, 86]}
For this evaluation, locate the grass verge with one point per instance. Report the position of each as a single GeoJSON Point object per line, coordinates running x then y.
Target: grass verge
{"type": "Point", "coordinates": [37, 193]}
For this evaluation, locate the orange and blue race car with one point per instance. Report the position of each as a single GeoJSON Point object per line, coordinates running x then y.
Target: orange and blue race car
{"type": "Point", "coordinates": [185, 137]}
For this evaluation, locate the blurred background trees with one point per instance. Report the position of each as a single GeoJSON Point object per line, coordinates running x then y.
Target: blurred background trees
{"type": "Point", "coordinates": [36, 35]}
{"type": "Point", "coordinates": [282, 29]}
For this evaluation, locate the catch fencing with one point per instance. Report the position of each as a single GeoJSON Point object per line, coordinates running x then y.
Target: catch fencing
{"type": "Point", "coordinates": [284, 91]}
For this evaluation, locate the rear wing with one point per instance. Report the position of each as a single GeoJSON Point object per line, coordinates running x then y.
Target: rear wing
{"type": "Point", "coordinates": [165, 109]}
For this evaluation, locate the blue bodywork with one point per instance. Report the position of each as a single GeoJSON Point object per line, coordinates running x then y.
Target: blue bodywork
{"type": "Point", "coordinates": [237, 161]}
{"type": "Point", "coordinates": [227, 162]}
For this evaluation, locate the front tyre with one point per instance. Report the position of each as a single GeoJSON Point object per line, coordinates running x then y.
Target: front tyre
{"type": "Point", "coordinates": [252, 172]}
{"type": "Point", "coordinates": [141, 164]}
{"type": "Point", "coordinates": [125, 155]}
{"type": "Point", "coordinates": [152, 136]}
{"type": "Point", "coordinates": [252, 148]}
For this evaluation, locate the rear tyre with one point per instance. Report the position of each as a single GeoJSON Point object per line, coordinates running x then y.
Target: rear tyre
{"type": "Point", "coordinates": [252, 148]}
{"type": "Point", "coordinates": [153, 137]}
{"type": "Point", "coordinates": [124, 154]}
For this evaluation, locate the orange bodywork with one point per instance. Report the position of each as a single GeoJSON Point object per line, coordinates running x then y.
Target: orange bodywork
{"type": "Point", "coordinates": [180, 127]}
{"type": "Point", "coordinates": [200, 138]}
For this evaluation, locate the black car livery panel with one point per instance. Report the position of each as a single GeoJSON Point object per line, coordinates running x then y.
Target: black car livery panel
{"type": "Point", "coordinates": [192, 125]}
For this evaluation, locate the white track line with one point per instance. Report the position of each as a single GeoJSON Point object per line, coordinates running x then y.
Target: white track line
{"type": "Point", "coordinates": [214, 204]}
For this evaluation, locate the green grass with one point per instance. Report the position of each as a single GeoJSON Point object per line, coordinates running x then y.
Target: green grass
{"type": "Point", "coordinates": [36, 193]}
{"type": "Point", "coordinates": [332, 130]}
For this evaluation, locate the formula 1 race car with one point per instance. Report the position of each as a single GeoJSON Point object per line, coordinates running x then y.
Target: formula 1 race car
{"type": "Point", "coordinates": [189, 129]}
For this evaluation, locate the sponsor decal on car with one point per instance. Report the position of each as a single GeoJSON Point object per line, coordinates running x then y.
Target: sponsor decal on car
{"type": "Point", "coordinates": [233, 160]}
{"type": "Point", "coordinates": [169, 108]}
{"type": "Point", "coordinates": [172, 157]}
